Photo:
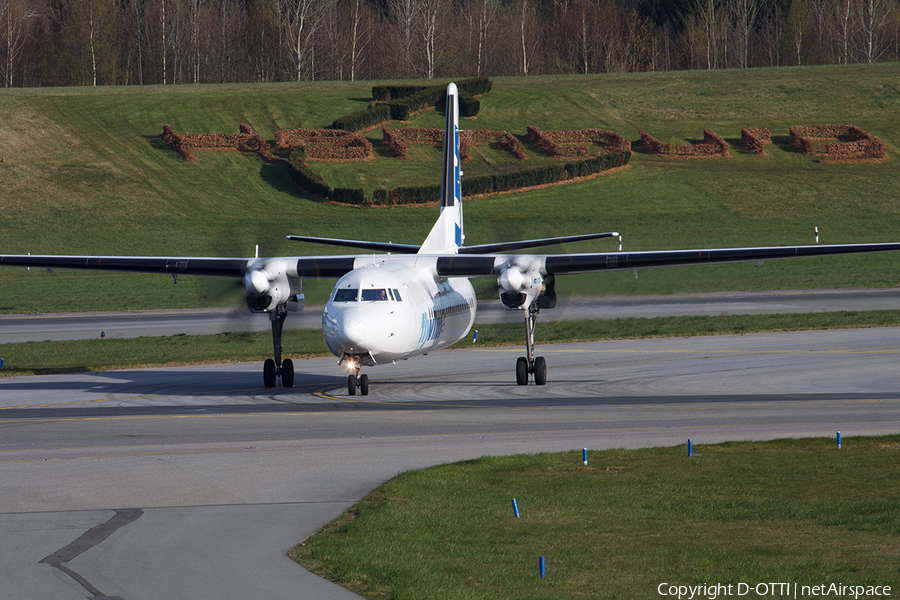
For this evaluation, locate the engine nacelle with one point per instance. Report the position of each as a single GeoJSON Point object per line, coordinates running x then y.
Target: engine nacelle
{"type": "Point", "coordinates": [520, 282]}
{"type": "Point", "coordinates": [267, 286]}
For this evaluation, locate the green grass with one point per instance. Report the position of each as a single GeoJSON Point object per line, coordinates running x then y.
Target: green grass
{"type": "Point", "coordinates": [35, 358]}
{"type": "Point", "coordinates": [72, 356]}
{"type": "Point", "coordinates": [83, 173]}
{"type": "Point", "coordinates": [783, 511]}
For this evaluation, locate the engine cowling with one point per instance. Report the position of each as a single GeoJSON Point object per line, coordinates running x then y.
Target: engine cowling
{"type": "Point", "coordinates": [520, 283]}
{"type": "Point", "coordinates": [266, 286]}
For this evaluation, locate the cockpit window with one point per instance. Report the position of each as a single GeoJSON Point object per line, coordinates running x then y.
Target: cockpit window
{"type": "Point", "coordinates": [397, 295]}
{"type": "Point", "coordinates": [346, 295]}
{"type": "Point", "coordinates": [379, 295]}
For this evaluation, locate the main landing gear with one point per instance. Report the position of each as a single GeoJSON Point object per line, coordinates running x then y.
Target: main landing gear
{"type": "Point", "coordinates": [273, 369]}
{"type": "Point", "coordinates": [528, 365]}
{"type": "Point", "coordinates": [355, 380]}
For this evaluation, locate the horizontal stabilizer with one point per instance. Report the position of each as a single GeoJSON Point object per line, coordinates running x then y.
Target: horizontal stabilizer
{"type": "Point", "coordinates": [380, 246]}
{"type": "Point", "coordinates": [523, 244]}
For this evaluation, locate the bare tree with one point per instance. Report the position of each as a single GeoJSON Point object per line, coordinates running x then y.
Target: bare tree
{"type": "Point", "coordinates": [481, 15]}
{"type": "Point", "coordinates": [195, 8]}
{"type": "Point", "coordinates": [843, 12]}
{"type": "Point", "coordinates": [17, 21]}
{"type": "Point", "coordinates": [873, 18]}
{"type": "Point", "coordinates": [301, 20]}
{"type": "Point", "coordinates": [744, 14]}
{"type": "Point", "coordinates": [359, 37]}
{"type": "Point", "coordinates": [432, 13]}
{"type": "Point", "coordinates": [707, 16]}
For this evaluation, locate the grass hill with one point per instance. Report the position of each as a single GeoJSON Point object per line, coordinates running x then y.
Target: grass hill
{"type": "Point", "coordinates": [83, 172]}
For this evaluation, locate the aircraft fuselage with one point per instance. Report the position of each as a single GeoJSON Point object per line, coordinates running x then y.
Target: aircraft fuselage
{"type": "Point", "coordinates": [395, 308]}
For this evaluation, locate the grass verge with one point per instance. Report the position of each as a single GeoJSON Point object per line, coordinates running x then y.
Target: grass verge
{"type": "Point", "coordinates": [35, 358]}
{"type": "Point", "coordinates": [794, 511]}
{"type": "Point", "coordinates": [84, 173]}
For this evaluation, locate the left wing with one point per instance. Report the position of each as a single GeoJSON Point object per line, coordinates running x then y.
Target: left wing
{"type": "Point", "coordinates": [306, 266]}
{"type": "Point", "coordinates": [224, 267]}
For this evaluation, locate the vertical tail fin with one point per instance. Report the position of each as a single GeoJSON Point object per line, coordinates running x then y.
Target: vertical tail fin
{"type": "Point", "coordinates": [447, 234]}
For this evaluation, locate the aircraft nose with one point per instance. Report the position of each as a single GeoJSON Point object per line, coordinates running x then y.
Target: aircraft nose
{"type": "Point", "coordinates": [353, 331]}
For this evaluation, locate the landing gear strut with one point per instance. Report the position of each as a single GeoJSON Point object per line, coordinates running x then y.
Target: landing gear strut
{"type": "Point", "coordinates": [272, 369]}
{"type": "Point", "coordinates": [527, 365]}
{"type": "Point", "coordinates": [355, 380]}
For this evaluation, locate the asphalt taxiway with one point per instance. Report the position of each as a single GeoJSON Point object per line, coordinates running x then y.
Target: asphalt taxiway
{"type": "Point", "coordinates": [129, 324]}
{"type": "Point", "coordinates": [192, 482]}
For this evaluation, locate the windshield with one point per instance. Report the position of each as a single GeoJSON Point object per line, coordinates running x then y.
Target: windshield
{"type": "Point", "coordinates": [380, 294]}
{"type": "Point", "coordinates": [346, 295]}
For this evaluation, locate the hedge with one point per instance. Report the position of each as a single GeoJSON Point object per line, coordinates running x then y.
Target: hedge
{"type": "Point", "coordinates": [397, 102]}
{"type": "Point", "coordinates": [349, 195]}
{"type": "Point", "coordinates": [305, 177]}
{"type": "Point", "coordinates": [503, 182]}
{"type": "Point", "coordinates": [712, 146]}
{"type": "Point", "coordinates": [852, 142]}
{"type": "Point", "coordinates": [372, 116]}
{"type": "Point", "coordinates": [755, 139]}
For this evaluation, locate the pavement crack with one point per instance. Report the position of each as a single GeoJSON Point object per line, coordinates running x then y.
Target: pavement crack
{"type": "Point", "coordinates": [89, 539]}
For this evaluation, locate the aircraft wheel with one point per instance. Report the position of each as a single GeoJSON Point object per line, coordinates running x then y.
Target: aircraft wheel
{"type": "Point", "coordinates": [540, 370]}
{"type": "Point", "coordinates": [364, 385]}
{"type": "Point", "coordinates": [287, 373]}
{"type": "Point", "coordinates": [522, 371]}
{"type": "Point", "coordinates": [269, 373]}
{"type": "Point", "coordinates": [351, 384]}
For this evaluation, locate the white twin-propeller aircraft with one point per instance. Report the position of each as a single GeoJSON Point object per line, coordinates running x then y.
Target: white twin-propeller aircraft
{"type": "Point", "coordinates": [417, 299]}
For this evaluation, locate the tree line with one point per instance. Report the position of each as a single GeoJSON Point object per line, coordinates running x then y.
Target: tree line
{"type": "Point", "coordinates": [140, 42]}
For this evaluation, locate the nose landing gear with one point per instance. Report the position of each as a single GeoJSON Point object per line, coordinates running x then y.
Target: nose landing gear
{"type": "Point", "coordinates": [355, 380]}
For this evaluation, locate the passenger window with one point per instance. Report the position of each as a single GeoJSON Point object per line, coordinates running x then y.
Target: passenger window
{"type": "Point", "coordinates": [346, 295]}
{"type": "Point", "coordinates": [374, 295]}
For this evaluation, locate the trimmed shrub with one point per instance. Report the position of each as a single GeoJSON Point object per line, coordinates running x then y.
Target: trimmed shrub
{"type": "Point", "coordinates": [711, 146]}
{"type": "Point", "coordinates": [756, 139]}
{"type": "Point", "coordinates": [326, 144]}
{"type": "Point", "coordinates": [348, 195]}
{"type": "Point", "coordinates": [852, 143]}
{"type": "Point", "coordinates": [398, 102]}
{"type": "Point", "coordinates": [395, 143]}
{"type": "Point", "coordinates": [398, 140]}
{"type": "Point", "coordinates": [577, 142]}
{"type": "Point", "coordinates": [305, 177]}
{"type": "Point", "coordinates": [364, 119]}
{"type": "Point", "coordinates": [173, 140]}
{"type": "Point", "coordinates": [426, 98]}
{"type": "Point", "coordinates": [246, 140]}
{"type": "Point", "coordinates": [500, 182]}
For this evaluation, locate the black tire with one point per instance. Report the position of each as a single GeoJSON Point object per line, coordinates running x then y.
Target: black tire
{"type": "Point", "coordinates": [287, 373]}
{"type": "Point", "coordinates": [269, 376]}
{"type": "Point", "coordinates": [522, 371]}
{"type": "Point", "coordinates": [540, 370]}
{"type": "Point", "coordinates": [364, 385]}
{"type": "Point", "coordinates": [351, 384]}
